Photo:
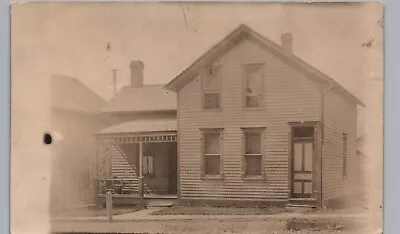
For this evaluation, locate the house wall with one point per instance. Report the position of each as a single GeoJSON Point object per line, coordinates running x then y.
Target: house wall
{"type": "Point", "coordinates": [288, 96]}
{"type": "Point", "coordinates": [74, 162]}
{"type": "Point", "coordinates": [340, 117]}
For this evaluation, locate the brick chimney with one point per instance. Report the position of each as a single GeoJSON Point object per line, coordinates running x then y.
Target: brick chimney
{"type": "Point", "coordinates": [136, 74]}
{"type": "Point", "coordinates": [287, 42]}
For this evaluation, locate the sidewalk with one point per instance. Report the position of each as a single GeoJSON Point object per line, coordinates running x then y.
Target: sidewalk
{"type": "Point", "coordinates": [145, 215]}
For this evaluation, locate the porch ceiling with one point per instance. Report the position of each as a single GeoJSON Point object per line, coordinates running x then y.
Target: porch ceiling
{"type": "Point", "coordinates": [142, 126]}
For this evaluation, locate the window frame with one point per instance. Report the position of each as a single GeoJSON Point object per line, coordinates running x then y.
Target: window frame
{"type": "Point", "coordinates": [204, 132]}
{"type": "Point", "coordinates": [262, 132]}
{"type": "Point", "coordinates": [205, 91]}
{"type": "Point", "coordinates": [245, 68]}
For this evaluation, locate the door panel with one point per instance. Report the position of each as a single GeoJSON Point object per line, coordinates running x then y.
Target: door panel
{"type": "Point", "coordinates": [308, 156]}
{"type": "Point", "coordinates": [298, 151]}
{"type": "Point", "coordinates": [302, 167]}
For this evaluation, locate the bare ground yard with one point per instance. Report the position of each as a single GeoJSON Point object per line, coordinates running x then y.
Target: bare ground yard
{"type": "Point", "coordinates": [94, 212]}
{"type": "Point", "coordinates": [194, 227]}
{"type": "Point", "coordinates": [186, 210]}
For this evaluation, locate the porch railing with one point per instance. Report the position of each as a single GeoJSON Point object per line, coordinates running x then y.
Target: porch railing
{"type": "Point", "coordinates": [118, 186]}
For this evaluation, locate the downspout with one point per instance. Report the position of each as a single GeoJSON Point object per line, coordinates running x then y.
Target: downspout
{"type": "Point", "coordinates": [323, 130]}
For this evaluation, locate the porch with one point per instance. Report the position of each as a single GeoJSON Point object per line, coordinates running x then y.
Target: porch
{"type": "Point", "coordinates": [137, 162]}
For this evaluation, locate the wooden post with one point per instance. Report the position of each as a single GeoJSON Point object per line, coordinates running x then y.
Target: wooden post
{"type": "Point", "coordinates": [109, 205]}
{"type": "Point", "coordinates": [109, 162]}
{"type": "Point", "coordinates": [141, 170]}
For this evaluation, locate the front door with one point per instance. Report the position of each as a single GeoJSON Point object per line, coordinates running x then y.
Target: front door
{"type": "Point", "coordinates": [302, 162]}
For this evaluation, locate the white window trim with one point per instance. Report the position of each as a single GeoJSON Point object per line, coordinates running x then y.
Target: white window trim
{"type": "Point", "coordinates": [204, 131]}
{"type": "Point", "coordinates": [210, 91]}
{"type": "Point", "coordinates": [262, 131]}
{"type": "Point", "coordinates": [244, 84]}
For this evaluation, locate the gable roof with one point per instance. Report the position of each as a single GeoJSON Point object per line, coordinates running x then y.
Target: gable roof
{"type": "Point", "coordinates": [145, 98]}
{"type": "Point", "coordinates": [244, 32]}
{"type": "Point", "coordinates": [69, 93]}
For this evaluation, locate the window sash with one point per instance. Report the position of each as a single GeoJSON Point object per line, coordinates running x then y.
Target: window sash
{"type": "Point", "coordinates": [213, 89]}
{"type": "Point", "coordinates": [257, 145]}
{"type": "Point", "coordinates": [253, 77]}
{"type": "Point", "coordinates": [213, 152]}
{"type": "Point", "coordinates": [248, 172]}
{"type": "Point", "coordinates": [216, 75]}
{"type": "Point", "coordinates": [211, 105]}
{"type": "Point", "coordinates": [211, 147]}
{"type": "Point", "coordinates": [209, 170]}
{"type": "Point", "coordinates": [259, 134]}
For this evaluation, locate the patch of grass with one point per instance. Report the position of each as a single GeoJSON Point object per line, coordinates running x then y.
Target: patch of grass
{"type": "Point", "coordinates": [204, 210]}
{"type": "Point", "coordinates": [94, 212]}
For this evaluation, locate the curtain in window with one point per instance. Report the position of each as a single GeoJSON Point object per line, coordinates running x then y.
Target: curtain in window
{"type": "Point", "coordinates": [150, 165]}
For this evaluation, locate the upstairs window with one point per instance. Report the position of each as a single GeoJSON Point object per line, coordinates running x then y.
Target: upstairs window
{"type": "Point", "coordinates": [253, 76]}
{"type": "Point", "coordinates": [211, 89]}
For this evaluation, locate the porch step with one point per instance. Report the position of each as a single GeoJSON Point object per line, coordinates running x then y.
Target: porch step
{"type": "Point", "coordinates": [290, 205]}
{"type": "Point", "coordinates": [302, 204]}
{"type": "Point", "coordinates": [303, 201]}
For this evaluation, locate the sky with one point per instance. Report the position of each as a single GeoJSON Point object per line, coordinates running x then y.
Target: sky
{"type": "Point", "coordinates": [71, 39]}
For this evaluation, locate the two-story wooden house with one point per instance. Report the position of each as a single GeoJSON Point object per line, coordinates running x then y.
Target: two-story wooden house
{"type": "Point", "coordinates": [256, 123]}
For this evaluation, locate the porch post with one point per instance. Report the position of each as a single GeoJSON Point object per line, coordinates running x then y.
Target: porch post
{"type": "Point", "coordinates": [109, 161]}
{"type": "Point", "coordinates": [141, 170]}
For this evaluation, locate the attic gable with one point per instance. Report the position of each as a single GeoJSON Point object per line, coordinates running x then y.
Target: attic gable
{"type": "Point", "coordinates": [241, 33]}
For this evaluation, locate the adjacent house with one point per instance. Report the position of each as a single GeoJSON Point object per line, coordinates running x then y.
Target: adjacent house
{"type": "Point", "coordinates": [74, 116]}
{"type": "Point", "coordinates": [143, 132]}
{"type": "Point", "coordinates": [250, 122]}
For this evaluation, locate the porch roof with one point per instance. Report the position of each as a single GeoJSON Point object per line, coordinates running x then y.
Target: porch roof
{"type": "Point", "coordinates": [142, 126]}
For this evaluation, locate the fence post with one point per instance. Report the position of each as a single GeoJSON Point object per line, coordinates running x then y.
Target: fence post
{"type": "Point", "coordinates": [109, 205]}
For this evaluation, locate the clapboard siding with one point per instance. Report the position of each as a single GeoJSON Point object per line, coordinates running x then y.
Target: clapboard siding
{"type": "Point", "coordinates": [340, 117]}
{"type": "Point", "coordinates": [288, 97]}
{"type": "Point", "coordinates": [124, 166]}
